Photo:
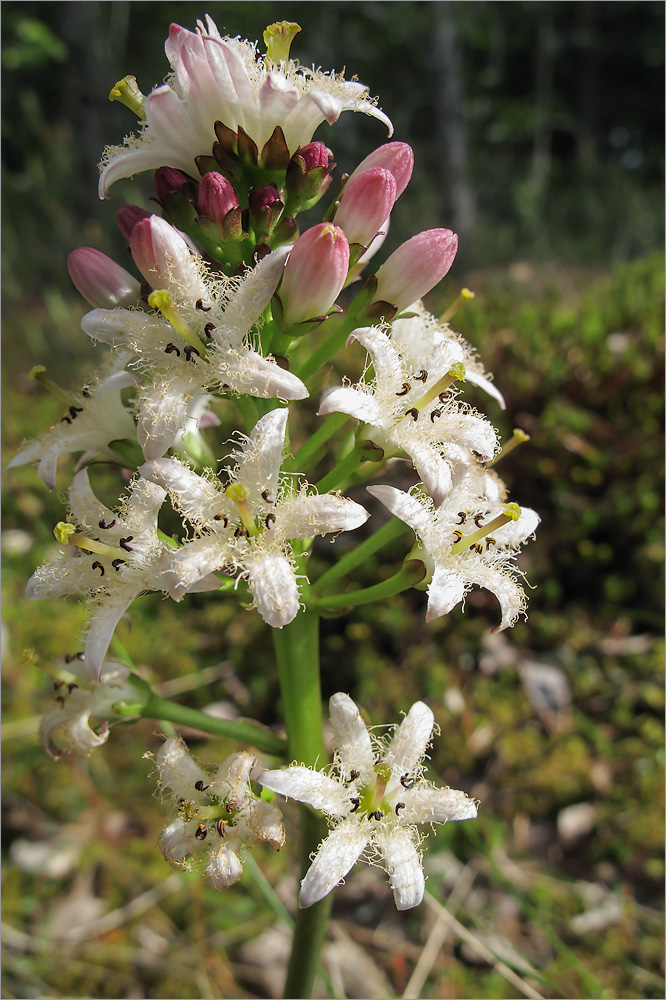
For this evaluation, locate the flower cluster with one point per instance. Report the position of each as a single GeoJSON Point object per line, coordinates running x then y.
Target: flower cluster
{"type": "Point", "coordinates": [230, 317]}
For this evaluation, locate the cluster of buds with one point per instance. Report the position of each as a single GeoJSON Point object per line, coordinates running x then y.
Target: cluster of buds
{"type": "Point", "coordinates": [228, 300]}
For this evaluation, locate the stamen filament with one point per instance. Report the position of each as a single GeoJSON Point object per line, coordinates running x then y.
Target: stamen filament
{"type": "Point", "coordinates": [519, 437]}
{"type": "Point", "coordinates": [66, 534]}
{"type": "Point", "coordinates": [162, 300]}
{"type": "Point", "coordinates": [455, 373]}
{"type": "Point", "coordinates": [465, 296]}
{"type": "Point", "coordinates": [127, 92]}
{"type": "Point", "coordinates": [511, 513]}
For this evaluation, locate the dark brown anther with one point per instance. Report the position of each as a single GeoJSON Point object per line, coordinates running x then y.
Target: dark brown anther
{"type": "Point", "coordinates": [354, 774]}
{"type": "Point", "coordinates": [200, 786]}
{"type": "Point", "coordinates": [266, 497]}
{"type": "Point", "coordinates": [97, 565]}
{"type": "Point", "coordinates": [457, 535]}
{"type": "Point", "coordinates": [405, 389]}
{"type": "Point", "coordinates": [407, 781]}
{"type": "Point", "coordinates": [442, 397]}
{"type": "Point", "coordinates": [189, 351]}
{"type": "Point", "coordinates": [478, 519]}
{"type": "Point", "coordinates": [221, 517]}
{"type": "Point", "coordinates": [377, 814]}
{"type": "Point", "coordinates": [221, 827]}
{"type": "Point", "coordinates": [434, 414]}
{"type": "Point", "coordinates": [413, 413]}
{"type": "Point", "coordinates": [490, 541]}
{"type": "Point", "coordinates": [208, 329]}
{"type": "Point", "coordinates": [201, 831]}
{"type": "Point", "coordinates": [65, 420]}
{"type": "Point", "coordinates": [201, 307]}
{"type": "Point", "coordinates": [422, 376]}
{"type": "Point", "coordinates": [74, 410]}
{"type": "Point", "coordinates": [477, 548]}
{"type": "Point", "coordinates": [462, 514]}
{"type": "Point", "coordinates": [241, 532]}
{"type": "Point", "coordinates": [270, 519]}
{"type": "Point", "coordinates": [355, 804]}
{"type": "Point", "coordinates": [172, 349]}
{"type": "Point", "coordinates": [398, 807]}
{"type": "Point", "coordinates": [85, 393]}
{"type": "Point", "coordinates": [71, 687]}
{"type": "Point", "coordinates": [117, 563]}
{"type": "Point", "coordinates": [123, 543]}
{"type": "Point", "coordinates": [104, 525]}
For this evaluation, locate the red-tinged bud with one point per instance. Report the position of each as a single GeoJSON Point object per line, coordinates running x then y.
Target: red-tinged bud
{"type": "Point", "coordinates": [314, 274]}
{"type": "Point", "coordinates": [265, 210]}
{"type": "Point", "coordinates": [127, 218]}
{"type": "Point", "coordinates": [396, 157]}
{"type": "Point", "coordinates": [168, 181]}
{"type": "Point", "coordinates": [102, 282]}
{"type": "Point", "coordinates": [416, 267]}
{"type": "Point", "coordinates": [366, 203]}
{"type": "Point", "coordinates": [315, 154]}
{"type": "Point", "coordinates": [216, 197]}
{"type": "Point", "coordinates": [165, 260]}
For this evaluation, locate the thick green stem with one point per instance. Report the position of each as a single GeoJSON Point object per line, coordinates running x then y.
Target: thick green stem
{"type": "Point", "coordinates": [355, 557]}
{"type": "Point", "coordinates": [343, 471]}
{"type": "Point", "coordinates": [297, 650]}
{"type": "Point", "coordinates": [333, 343]}
{"type": "Point", "coordinates": [407, 577]}
{"type": "Point", "coordinates": [307, 453]}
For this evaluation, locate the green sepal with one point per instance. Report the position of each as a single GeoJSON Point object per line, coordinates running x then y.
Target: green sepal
{"type": "Point", "coordinates": [275, 152]}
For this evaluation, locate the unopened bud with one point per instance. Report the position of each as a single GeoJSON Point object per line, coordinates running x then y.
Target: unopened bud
{"type": "Point", "coordinates": [366, 203]}
{"type": "Point", "coordinates": [265, 209]}
{"type": "Point", "coordinates": [416, 267]}
{"type": "Point", "coordinates": [315, 273]}
{"type": "Point", "coordinates": [314, 154]}
{"type": "Point", "coordinates": [165, 260]}
{"type": "Point", "coordinates": [168, 181]}
{"type": "Point", "coordinates": [127, 218]}
{"type": "Point", "coordinates": [307, 176]}
{"type": "Point", "coordinates": [216, 197]}
{"type": "Point", "coordinates": [396, 157]}
{"type": "Point", "coordinates": [102, 282]}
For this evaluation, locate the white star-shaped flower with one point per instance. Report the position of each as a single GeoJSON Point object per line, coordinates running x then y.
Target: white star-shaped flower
{"type": "Point", "coordinates": [217, 813]}
{"type": "Point", "coordinates": [95, 418]}
{"type": "Point", "coordinates": [245, 528]}
{"type": "Point", "coordinates": [374, 797]}
{"type": "Point", "coordinates": [200, 340]}
{"type": "Point", "coordinates": [409, 403]}
{"type": "Point", "coordinates": [79, 700]}
{"type": "Point", "coordinates": [225, 79]}
{"type": "Point", "coordinates": [470, 540]}
{"type": "Point", "coordinates": [113, 556]}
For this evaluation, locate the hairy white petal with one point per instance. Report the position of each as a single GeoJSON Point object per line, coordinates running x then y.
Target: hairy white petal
{"type": "Point", "coordinates": [353, 745]}
{"type": "Point", "coordinates": [510, 595]}
{"type": "Point", "coordinates": [406, 507]}
{"type": "Point", "coordinates": [518, 531]}
{"type": "Point", "coordinates": [177, 842]}
{"type": "Point", "coordinates": [224, 868]}
{"type": "Point", "coordinates": [425, 804]}
{"type": "Point", "coordinates": [306, 515]}
{"type": "Point", "coordinates": [315, 788]}
{"type": "Point", "coordinates": [254, 294]}
{"type": "Point", "coordinates": [408, 745]}
{"type": "Point", "coordinates": [403, 865]}
{"type": "Point", "coordinates": [445, 591]}
{"type": "Point", "coordinates": [336, 856]}
{"type": "Point", "coordinates": [178, 771]}
{"type": "Point", "coordinates": [272, 581]}
{"type": "Point", "coordinates": [356, 403]}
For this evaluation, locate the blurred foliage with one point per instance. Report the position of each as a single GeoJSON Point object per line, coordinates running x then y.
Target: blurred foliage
{"type": "Point", "coordinates": [565, 179]}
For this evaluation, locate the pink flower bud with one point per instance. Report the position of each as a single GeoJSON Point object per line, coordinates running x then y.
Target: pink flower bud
{"type": "Point", "coordinates": [165, 260]}
{"type": "Point", "coordinates": [264, 197]}
{"type": "Point", "coordinates": [216, 197]}
{"type": "Point", "coordinates": [396, 157]}
{"type": "Point", "coordinates": [366, 203]}
{"type": "Point", "coordinates": [127, 218]}
{"type": "Point", "coordinates": [168, 181]}
{"type": "Point", "coordinates": [315, 154]}
{"type": "Point", "coordinates": [315, 273]}
{"type": "Point", "coordinates": [102, 282]}
{"type": "Point", "coordinates": [416, 267]}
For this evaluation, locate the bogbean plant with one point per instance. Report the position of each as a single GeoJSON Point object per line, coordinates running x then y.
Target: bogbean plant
{"type": "Point", "coordinates": [230, 298]}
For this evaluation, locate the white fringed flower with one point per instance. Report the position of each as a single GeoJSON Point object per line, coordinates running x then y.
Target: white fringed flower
{"type": "Point", "coordinates": [114, 557]}
{"type": "Point", "coordinates": [246, 527]}
{"type": "Point", "coordinates": [469, 540]}
{"type": "Point", "coordinates": [95, 418]}
{"type": "Point", "coordinates": [200, 340]}
{"type": "Point", "coordinates": [68, 721]}
{"type": "Point", "coordinates": [226, 79]}
{"type": "Point", "coordinates": [374, 797]}
{"type": "Point", "coordinates": [217, 813]}
{"type": "Point", "coordinates": [409, 403]}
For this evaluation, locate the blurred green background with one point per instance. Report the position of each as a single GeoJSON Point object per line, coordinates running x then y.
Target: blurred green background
{"type": "Point", "coordinates": [538, 135]}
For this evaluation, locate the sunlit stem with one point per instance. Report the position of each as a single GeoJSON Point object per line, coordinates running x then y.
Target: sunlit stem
{"type": "Point", "coordinates": [355, 557]}
{"type": "Point", "coordinates": [37, 375]}
{"type": "Point", "coordinates": [465, 296]}
{"type": "Point", "coordinates": [127, 92]}
{"type": "Point", "coordinates": [511, 513]}
{"type": "Point", "coordinates": [519, 437]}
{"type": "Point", "coordinates": [239, 494]}
{"type": "Point", "coordinates": [456, 373]}
{"type": "Point", "coordinates": [278, 38]}
{"type": "Point", "coordinates": [66, 534]}
{"type": "Point", "coordinates": [163, 301]}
